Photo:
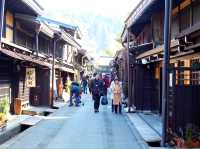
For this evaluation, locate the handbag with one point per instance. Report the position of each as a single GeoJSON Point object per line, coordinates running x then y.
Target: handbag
{"type": "Point", "coordinates": [104, 100]}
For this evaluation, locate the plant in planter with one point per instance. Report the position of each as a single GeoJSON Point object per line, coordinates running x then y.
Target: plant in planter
{"type": "Point", "coordinates": [192, 137]}
{"type": "Point", "coordinates": [189, 138]}
{"type": "Point", "coordinates": [4, 109]}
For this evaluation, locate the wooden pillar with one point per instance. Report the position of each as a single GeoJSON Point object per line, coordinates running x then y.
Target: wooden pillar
{"type": "Point", "coordinates": [2, 7]}
{"type": "Point", "coordinates": [191, 13]}
{"type": "Point", "coordinates": [179, 18]}
{"type": "Point", "coordinates": [129, 73]}
{"type": "Point", "coordinates": [37, 32]}
{"type": "Point", "coordinates": [165, 79]}
{"type": "Point", "coordinates": [14, 30]}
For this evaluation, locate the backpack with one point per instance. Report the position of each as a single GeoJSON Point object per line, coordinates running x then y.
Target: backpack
{"type": "Point", "coordinates": [95, 87]}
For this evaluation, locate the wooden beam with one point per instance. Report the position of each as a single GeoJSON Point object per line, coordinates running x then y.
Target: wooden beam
{"type": "Point", "coordinates": [182, 6]}
{"type": "Point", "coordinates": [2, 7]}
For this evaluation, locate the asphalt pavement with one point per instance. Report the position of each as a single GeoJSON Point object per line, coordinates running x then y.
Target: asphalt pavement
{"type": "Point", "coordinates": [79, 128]}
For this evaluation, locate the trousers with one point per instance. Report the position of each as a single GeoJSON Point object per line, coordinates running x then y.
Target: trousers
{"type": "Point", "coordinates": [96, 102]}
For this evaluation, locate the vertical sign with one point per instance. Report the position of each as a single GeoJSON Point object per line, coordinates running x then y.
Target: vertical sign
{"type": "Point", "coordinates": [171, 80]}
{"type": "Point", "coordinates": [30, 77]}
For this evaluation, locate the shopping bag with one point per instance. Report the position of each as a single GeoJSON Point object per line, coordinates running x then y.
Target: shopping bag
{"type": "Point", "coordinates": [104, 100]}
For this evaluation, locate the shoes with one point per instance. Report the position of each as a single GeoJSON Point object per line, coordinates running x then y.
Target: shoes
{"type": "Point", "coordinates": [96, 111]}
{"type": "Point", "coordinates": [70, 105]}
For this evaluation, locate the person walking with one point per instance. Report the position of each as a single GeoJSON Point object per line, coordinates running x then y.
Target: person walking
{"type": "Point", "coordinates": [106, 85]}
{"type": "Point", "coordinates": [96, 90]}
{"type": "Point", "coordinates": [75, 91]}
{"type": "Point", "coordinates": [117, 90]}
{"type": "Point", "coordinates": [90, 82]}
{"type": "Point", "coordinates": [84, 84]}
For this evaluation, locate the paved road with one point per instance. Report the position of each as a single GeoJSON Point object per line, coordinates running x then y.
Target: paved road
{"type": "Point", "coordinates": [79, 128]}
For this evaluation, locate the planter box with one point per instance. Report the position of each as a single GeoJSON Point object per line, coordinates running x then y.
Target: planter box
{"type": "Point", "coordinates": [3, 125]}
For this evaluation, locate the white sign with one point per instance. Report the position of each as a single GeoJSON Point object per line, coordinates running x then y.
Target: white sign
{"type": "Point", "coordinates": [171, 80]}
{"type": "Point", "coordinates": [30, 77]}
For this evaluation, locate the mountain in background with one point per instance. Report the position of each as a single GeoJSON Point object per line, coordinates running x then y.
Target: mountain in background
{"type": "Point", "coordinates": [99, 32]}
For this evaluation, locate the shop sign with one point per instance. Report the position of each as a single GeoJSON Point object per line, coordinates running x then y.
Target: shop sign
{"type": "Point", "coordinates": [30, 77]}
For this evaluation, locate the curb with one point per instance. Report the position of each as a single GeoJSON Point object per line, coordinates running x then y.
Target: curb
{"type": "Point", "coordinates": [137, 135]}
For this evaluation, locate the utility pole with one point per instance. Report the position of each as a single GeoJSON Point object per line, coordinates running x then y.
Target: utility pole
{"type": "Point", "coordinates": [2, 7]}
{"type": "Point", "coordinates": [165, 78]}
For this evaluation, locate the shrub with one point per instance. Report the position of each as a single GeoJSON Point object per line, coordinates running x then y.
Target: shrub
{"type": "Point", "coordinates": [4, 106]}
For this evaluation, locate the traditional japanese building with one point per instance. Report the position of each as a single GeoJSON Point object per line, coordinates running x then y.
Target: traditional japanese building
{"type": "Point", "coordinates": [143, 38]}
{"type": "Point", "coordinates": [30, 49]}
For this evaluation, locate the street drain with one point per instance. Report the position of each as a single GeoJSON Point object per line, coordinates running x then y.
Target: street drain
{"type": "Point", "coordinates": [24, 127]}
{"type": "Point", "coordinates": [154, 144]}
{"type": "Point", "coordinates": [46, 113]}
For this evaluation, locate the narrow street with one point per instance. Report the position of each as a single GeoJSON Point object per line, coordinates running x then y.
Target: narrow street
{"type": "Point", "coordinates": [79, 128]}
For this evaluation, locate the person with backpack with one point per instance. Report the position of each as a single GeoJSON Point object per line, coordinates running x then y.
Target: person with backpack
{"type": "Point", "coordinates": [75, 91]}
{"type": "Point", "coordinates": [96, 90]}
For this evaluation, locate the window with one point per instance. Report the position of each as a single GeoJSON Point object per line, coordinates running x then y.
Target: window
{"type": "Point", "coordinates": [9, 26]}
{"type": "Point", "coordinates": [185, 18]}
{"type": "Point", "coordinates": [195, 73]}
{"type": "Point", "coordinates": [181, 73]}
{"type": "Point", "coordinates": [196, 12]}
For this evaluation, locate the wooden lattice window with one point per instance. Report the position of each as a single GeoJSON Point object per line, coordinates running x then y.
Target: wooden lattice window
{"type": "Point", "coordinates": [195, 73]}
{"type": "Point", "coordinates": [181, 75]}
{"type": "Point", "coordinates": [185, 18]}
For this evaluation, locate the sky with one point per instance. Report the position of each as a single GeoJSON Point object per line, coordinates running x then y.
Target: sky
{"type": "Point", "coordinates": [100, 21]}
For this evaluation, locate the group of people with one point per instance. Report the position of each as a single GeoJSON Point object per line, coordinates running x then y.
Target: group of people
{"type": "Point", "coordinates": [98, 88]}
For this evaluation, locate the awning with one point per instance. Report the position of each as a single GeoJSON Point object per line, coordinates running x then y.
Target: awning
{"type": "Point", "coordinates": [10, 54]}
{"type": "Point", "coordinates": [158, 50]}
{"type": "Point", "coordinates": [65, 69]}
{"type": "Point", "coordinates": [22, 57]}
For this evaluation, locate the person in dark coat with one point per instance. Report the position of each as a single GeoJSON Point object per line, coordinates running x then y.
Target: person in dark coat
{"type": "Point", "coordinates": [84, 84]}
{"type": "Point", "coordinates": [90, 82]}
{"type": "Point", "coordinates": [96, 90]}
{"type": "Point", "coordinates": [75, 90]}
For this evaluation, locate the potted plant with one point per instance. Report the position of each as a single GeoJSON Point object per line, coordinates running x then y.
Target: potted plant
{"type": "Point", "coordinates": [190, 138]}
{"type": "Point", "coordinates": [4, 110]}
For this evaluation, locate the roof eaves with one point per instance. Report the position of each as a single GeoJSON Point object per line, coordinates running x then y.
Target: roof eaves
{"type": "Point", "coordinates": [34, 5]}
{"type": "Point", "coordinates": [138, 11]}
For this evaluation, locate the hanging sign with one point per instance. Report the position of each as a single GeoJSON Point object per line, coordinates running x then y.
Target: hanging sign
{"type": "Point", "coordinates": [171, 80]}
{"type": "Point", "coordinates": [30, 77]}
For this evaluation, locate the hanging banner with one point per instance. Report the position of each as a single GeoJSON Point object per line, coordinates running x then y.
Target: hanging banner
{"type": "Point", "coordinates": [30, 77]}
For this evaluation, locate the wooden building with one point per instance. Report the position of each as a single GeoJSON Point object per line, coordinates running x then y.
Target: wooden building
{"type": "Point", "coordinates": [26, 53]}
{"type": "Point", "coordinates": [120, 67]}
{"type": "Point", "coordinates": [143, 38]}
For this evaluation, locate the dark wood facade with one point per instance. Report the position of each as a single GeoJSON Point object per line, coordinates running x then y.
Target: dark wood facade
{"type": "Point", "coordinates": [146, 71]}
{"type": "Point", "coordinates": [28, 42]}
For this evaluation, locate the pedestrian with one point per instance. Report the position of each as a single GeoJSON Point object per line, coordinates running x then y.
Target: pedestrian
{"type": "Point", "coordinates": [84, 84]}
{"type": "Point", "coordinates": [75, 91]}
{"type": "Point", "coordinates": [106, 85]}
{"type": "Point", "coordinates": [90, 82]}
{"type": "Point", "coordinates": [117, 91]}
{"type": "Point", "coordinates": [96, 90]}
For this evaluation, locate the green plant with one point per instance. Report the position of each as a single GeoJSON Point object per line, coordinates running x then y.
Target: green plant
{"type": "Point", "coordinates": [2, 117]}
{"type": "Point", "coordinates": [4, 106]}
